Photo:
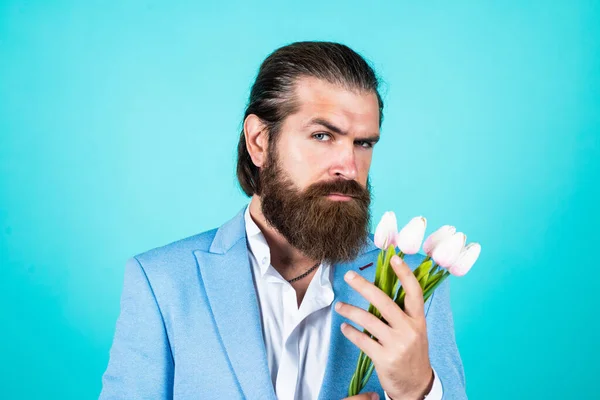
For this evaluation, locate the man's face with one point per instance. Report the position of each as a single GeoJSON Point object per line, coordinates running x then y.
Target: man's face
{"type": "Point", "coordinates": [315, 188]}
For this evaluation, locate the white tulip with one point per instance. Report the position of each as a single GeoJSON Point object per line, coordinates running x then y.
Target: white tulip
{"type": "Point", "coordinates": [410, 237]}
{"type": "Point", "coordinates": [437, 237]}
{"type": "Point", "coordinates": [447, 251]}
{"type": "Point", "coordinates": [465, 260]}
{"type": "Point", "coordinates": [386, 231]}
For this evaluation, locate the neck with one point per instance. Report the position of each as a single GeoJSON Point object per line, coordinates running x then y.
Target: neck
{"type": "Point", "coordinates": [285, 258]}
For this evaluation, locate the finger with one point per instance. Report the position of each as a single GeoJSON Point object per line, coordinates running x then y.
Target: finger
{"type": "Point", "coordinates": [386, 306]}
{"type": "Point", "coordinates": [371, 323]}
{"type": "Point", "coordinates": [413, 302]}
{"type": "Point", "coordinates": [370, 347]}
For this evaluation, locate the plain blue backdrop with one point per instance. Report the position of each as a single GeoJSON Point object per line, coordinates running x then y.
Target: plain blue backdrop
{"type": "Point", "coordinates": [119, 120]}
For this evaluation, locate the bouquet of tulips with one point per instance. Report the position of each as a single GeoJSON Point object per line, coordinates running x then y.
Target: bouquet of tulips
{"type": "Point", "coordinates": [446, 253]}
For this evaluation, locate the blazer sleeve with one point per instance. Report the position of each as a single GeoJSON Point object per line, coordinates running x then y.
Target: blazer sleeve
{"type": "Point", "coordinates": [141, 363]}
{"type": "Point", "coordinates": [443, 351]}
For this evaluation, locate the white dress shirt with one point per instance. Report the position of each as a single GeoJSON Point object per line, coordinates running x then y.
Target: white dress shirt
{"type": "Point", "coordinates": [296, 338]}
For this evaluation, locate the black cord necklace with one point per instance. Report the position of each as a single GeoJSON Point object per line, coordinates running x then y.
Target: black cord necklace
{"type": "Point", "coordinates": [306, 273]}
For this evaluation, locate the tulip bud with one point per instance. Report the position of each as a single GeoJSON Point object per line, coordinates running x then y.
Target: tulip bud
{"type": "Point", "coordinates": [465, 260]}
{"type": "Point", "coordinates": [385, 234]}
{"type": "Point", "coordinates": [446, 253]}
{"type": "Point", "coordinates": [410, 237]}
{"type": "Point", "coordinates": [437, 237]}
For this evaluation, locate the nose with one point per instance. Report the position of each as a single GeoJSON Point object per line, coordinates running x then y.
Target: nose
{"type": "Point", "coordinates": [344, 165]}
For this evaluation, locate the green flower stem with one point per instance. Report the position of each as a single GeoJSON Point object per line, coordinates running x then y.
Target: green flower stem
{"type": "Point", "coordinates": [433, 280]}
{"type": "Point", "coordinates": [363, 367]}
{"type": "Point", "coordinates": [430, 290]}
{"type": "Point", "coordinates": [351, 387]}
{"type": "Point", "coordinates": [357, 384]}
{"type": "Point", "coordinates": [367, 376]}
{"type": "Point", "coordinates": [366, 370]}
{"type": "Point", "coordinates": [356, 380]}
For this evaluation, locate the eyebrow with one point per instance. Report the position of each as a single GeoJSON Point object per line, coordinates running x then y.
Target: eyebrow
{"type": "Point", "coordinates": [327, 124]}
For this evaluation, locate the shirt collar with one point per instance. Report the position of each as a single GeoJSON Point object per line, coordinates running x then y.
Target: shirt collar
{"type": "Point", "coordinates": [259, 249]}
{"type": "Point", "coordinates": [257, 244]}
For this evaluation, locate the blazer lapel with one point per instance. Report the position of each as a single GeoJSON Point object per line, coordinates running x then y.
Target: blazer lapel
{"type": "Point", "coordinates": [343, 354]}
{"type": "Point", "coordinates": [227, 278]}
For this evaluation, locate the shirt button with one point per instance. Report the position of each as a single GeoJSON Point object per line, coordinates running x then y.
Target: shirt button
{"type": "Point", "coordinates": [264, 260]}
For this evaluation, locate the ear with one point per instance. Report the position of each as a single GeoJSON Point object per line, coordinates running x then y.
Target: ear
{"type": "Point", "coordinates": [257, 140]}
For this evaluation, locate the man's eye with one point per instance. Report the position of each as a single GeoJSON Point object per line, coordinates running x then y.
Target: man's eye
{"type": "Point", "coordinates": [366, 145]}
{"type": "Point", "coordinates": [321, 136]}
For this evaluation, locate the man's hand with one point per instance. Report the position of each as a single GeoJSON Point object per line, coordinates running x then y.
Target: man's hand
{"type": "Point", "coordinates": [400, 354]}
{"type": "Point", "coordinates": [363, 396]}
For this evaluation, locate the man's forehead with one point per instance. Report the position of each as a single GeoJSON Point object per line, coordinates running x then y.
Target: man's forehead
{"type": "Point", "coordinates": [318, 100]}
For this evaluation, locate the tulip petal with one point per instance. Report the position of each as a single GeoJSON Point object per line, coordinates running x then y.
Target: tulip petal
{"type": "Point", "coordinates": [410, 237]}
{"type": "Point", "coordinates": [446, 253]}
{"type": "Point", "coordinates": [466, 259]}
{"type": "Point", "coordinates": [437, 237]}
{"type": "Point", "coordinates": [385, 233]}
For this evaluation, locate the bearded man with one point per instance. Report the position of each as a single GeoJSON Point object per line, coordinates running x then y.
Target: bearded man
{"type": "Point", "coordinates": [254, 309]}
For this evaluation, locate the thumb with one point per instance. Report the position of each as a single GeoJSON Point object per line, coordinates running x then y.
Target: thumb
{"type": "Point", "coordinates": [363, 396]}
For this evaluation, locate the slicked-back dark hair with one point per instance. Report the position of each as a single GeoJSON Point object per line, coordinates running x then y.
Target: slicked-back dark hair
{"type": "Point", "coordinates": [271, 98]}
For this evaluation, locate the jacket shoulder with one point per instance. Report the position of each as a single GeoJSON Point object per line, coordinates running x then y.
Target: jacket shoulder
{"type": "Point", "coordinates": [175, 255]}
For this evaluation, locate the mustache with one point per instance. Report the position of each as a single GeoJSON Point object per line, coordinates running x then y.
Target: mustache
{"type": "Point", "coordinates": [341, 186]}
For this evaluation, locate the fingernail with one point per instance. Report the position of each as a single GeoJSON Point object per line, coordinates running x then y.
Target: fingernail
{"type": "Point", "coordinates": [374, 396]}
{"type": "Point", "coordinates": [338, 305]}
{"type": "Point", "coordinates": [350, 275]}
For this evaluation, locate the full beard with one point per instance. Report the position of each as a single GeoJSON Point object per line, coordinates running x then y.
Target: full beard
{"type": "Point", "coordinates": [322, 229]}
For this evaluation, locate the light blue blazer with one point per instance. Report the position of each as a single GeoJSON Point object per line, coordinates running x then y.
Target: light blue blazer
{"type": "Point", "coordinates": [190, 327]}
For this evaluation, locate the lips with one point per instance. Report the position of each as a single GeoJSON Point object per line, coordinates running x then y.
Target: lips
{"type": "Point", "coordinates": [340, 197]}
{"type": "Point", "coordinates": [340, 194]}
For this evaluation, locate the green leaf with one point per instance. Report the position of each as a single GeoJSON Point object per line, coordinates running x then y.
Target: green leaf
{"type": "Point", "coordinates": [432, 288]}
{"type": "Point", "coordinates": [379, 268]}
{"type": "Point", "coordinates": [425, 264]}
{"type": "Point", "coordinates": [433, 280]}
{"type": "Point", "coordinates": [423, 271]}
{"type": "Point", "coordinates": [389, 271]}
{"type": "Point", "coordinates": [385, 275]}
{"type": "Point", "coordinates": [423, 279]}
{"type": "Point", "coordinates": [400, 298]}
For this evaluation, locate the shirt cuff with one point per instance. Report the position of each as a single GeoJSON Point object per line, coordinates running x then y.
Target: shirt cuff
{"type": "Point", "coordinates": [436, 392]}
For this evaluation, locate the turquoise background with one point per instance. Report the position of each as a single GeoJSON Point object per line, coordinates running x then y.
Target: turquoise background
{"type": "Point", "coordinates": [118, 123]}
